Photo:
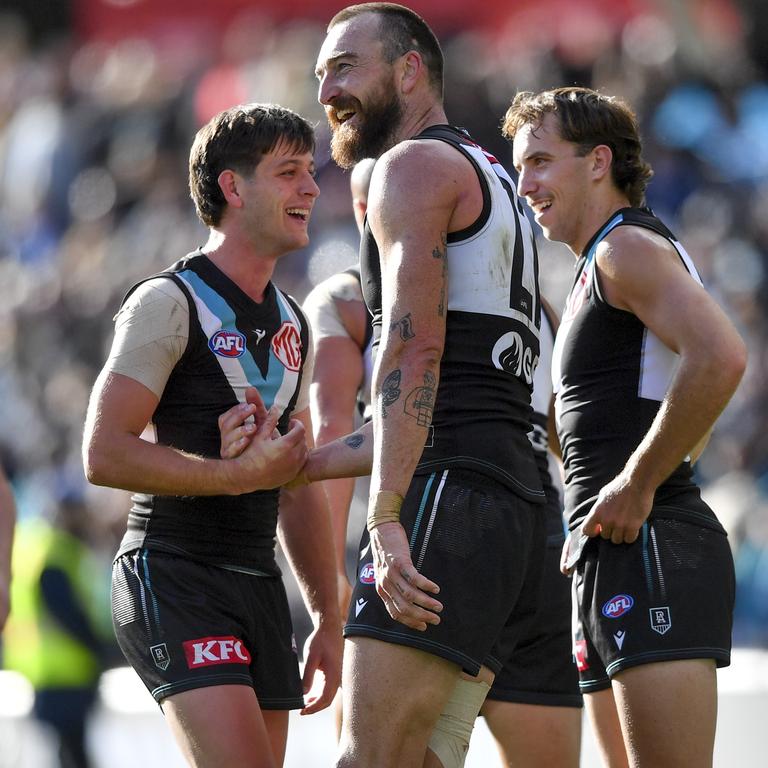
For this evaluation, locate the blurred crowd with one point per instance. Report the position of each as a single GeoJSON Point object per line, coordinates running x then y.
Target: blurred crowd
{"type": "Point", "coordinates": [94, 138]}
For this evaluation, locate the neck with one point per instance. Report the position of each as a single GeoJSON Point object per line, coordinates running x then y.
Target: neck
{"type": "Point", "coordinates": [239, 261]}
{"type": "Point", "coordinates": [418, 119]}
{"type": "Point", "coordinates": [596, 215]}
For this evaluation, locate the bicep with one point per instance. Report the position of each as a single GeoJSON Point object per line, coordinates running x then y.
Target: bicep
{"type": "Point", "coordinates": [119, 405]}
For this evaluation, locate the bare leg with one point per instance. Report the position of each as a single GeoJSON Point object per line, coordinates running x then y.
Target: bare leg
{"type": "Point", "coordinates": [668, 713]}
{"type": "Point", "coordinates": [223, 727]}
{"type": "Point", "coordinates": [604, 719]}
{"type": "Point", "coordinates": [535, 736]}
{"type": "Point", "coordinates": [393, 696]}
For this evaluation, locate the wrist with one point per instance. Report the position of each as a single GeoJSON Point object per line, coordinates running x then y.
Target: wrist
{"type": "Point", "coordinates": [384, 508]}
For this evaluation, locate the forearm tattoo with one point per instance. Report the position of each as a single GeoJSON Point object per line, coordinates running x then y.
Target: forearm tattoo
{"type": "Point", "coordinates": [420, 402]}
{"type": "Point", "coordinates": [405, 326]}
{"type": "Point", "coordinates": [441, 253]}
{"type": "Point", "coordinates": [354, 441]}
{"type": "Point", "coordinates": [390, 391]}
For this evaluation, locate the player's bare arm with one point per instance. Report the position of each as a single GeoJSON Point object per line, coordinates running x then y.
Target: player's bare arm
{"type": "Point", "coordinates": [642, 274]}
{"type": "Point", "coordinates": [304, 528]}
{"type": "Point", "coordinates": [424, 183]}
{"type": "Point", "coordinates": [115, 454]}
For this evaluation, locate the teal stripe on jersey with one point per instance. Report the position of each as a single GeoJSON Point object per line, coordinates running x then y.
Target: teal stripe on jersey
{"type": "Point", "coordinates": [215, 314]}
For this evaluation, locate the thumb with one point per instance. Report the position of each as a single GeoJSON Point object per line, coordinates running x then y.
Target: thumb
{"type": "Point", "coordinates": [591, 525]}
{"type": "Point", "coordinates": [270, 422]}
{"type": "Point", "coordinates": [253, 397]}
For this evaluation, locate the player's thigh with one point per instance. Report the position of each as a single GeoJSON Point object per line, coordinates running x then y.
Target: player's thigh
{"type": "Point", "coordinates": [535, 736]}
{"type": "Point", "coordinates": [668, 712]}
{"type": "Point", "coordinates": [392, 693]}
{"type": "Point", "coordinates": [221, 727]}
{"type": "Point", "coordinates": [606, 728]}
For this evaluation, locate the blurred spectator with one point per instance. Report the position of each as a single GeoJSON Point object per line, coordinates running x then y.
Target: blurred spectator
{"type": "Point", "coordinates": [56, 633]}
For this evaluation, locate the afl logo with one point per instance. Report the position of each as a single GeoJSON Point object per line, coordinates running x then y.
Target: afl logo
{"type": "Point", "coordinates": [367, 574]}
{"type": "Point", "coordinates": [617, 606]}
{"type": "Point", "coordinates": [227, 343]}
{"type": "Point", "coordinates": [286, 344]}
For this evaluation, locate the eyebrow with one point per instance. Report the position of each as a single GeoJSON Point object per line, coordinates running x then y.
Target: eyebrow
{"type": "Point", "coordinates": [331, 60]}
{"type": "Point", "coordinates": [294, 162]}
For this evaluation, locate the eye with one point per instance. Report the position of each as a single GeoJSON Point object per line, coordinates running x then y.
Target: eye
{"type": "Point", "coordinates": [343, 66]}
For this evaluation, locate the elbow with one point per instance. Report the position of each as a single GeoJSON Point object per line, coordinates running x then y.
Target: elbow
{"type": "Point", "coordinates": [95, 464]}
{"type": "Point", "coordinates": [734, 362]}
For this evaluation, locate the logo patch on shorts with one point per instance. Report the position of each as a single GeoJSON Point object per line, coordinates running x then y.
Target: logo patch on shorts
{"type": "Point", "coordinates": [227, 343]}
{"type": "Point", "coordinates": [367, 574]}
{"type": "Point", "coordinates": [160, 656]}
{"type": "Point", "coordinates": [617, 606]}
{"type": "Point", "coordinates": [661, 619]}
{"type": "Point", "coordinates": [580, 655]}
{"type": "Point", "coordinates": [207, 651]}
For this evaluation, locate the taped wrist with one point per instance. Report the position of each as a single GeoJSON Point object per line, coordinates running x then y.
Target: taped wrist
{"type": "Point", "coordinates": [384, 509]}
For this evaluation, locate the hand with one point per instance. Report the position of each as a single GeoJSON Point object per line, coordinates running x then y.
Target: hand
{"type": "Point", "coordinates": [402, 588]}
{"type": "Point", "coordinates": [322, 654]}
{"type": "Point", "coordinates": [619, 512]}
{"type": "Point", "coordinates": [239, 424]}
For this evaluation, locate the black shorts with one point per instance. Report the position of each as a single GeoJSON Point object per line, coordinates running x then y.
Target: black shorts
{"type": "Point", "coordinates": [483, 546]}
{"type": "Point", "coordinates": [667, 596]}
{"type": "Point", "coordinates": [183, 625]}
{"type": "Point", "coordinates": [541, 669]}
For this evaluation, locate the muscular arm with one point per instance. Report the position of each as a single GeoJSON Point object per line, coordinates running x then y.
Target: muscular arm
{"type": "Point", "coordinates": [304, 528]}
{"type": "Point", "coordinates": [641, 273]}
{"type": "Point", "coordinates": [7, 524]}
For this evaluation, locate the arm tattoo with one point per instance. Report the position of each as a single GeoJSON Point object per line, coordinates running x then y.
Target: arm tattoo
{"type": "Point", "coordinates": [441, 253]}
{"type": "Point", "coordinates": [405, 326]}
{"type": "Point", "coordinates": [354, 441]}
{"type": "Point", "coordinates": [420, 402]}
{"type": "Point", "coordinates": [390, 391]}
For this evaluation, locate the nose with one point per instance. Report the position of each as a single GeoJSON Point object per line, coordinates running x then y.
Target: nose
{"type": "Point", "coordinates": [525, 183]}
{"type": "Point", "coordinates": [327, 90]}
{"type": "Point", "coordinates": [310, 187]}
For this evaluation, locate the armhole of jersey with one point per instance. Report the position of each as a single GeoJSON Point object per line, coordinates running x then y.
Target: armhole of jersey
{"type": "Point", "coordinates": [304, 336]}
{"type": "Point", "coordinates": [355, 272]}
{"type": "Point", "coordinates": [479, 223]}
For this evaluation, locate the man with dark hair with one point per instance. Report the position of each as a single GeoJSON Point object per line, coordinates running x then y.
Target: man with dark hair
{"type": "Point", "coordinates": [644, 363]}
{"type": "Point", "coordinates": [449, 272]}
{"type": "Point", "coordinates": [198, 603]}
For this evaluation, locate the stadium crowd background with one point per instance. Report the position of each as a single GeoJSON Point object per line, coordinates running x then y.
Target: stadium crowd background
{"type": "Point", "coordinates": [100, 99]}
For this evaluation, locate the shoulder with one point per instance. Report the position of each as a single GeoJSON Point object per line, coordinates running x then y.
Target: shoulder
{"type": "Point", "coordinates": [339, 287]}
{"type": "Point", "coordinates": [154, 294]}
{"type": "Point", "coordinates": [633, 251]}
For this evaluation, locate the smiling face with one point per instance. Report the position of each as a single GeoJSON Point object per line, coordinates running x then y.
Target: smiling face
{"type": "Point", "coordinates": [278, 197]}
{"type": "Point", "coordinates": [358, 89]}
{"type": "Point", "coordinates": [555, 181]}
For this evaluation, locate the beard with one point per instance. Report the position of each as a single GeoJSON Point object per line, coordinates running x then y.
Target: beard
{"type": "Point", "coordinates": [376, 127]}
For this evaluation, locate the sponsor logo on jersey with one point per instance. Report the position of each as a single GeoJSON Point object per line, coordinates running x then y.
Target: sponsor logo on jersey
{"type": "Point", "coordinates": [207, 651]}
{"type": "Point", "coordinates": [160, 656]}
{"type": "Point", "coordinates": [512, 355]}
{"type": "Point", "coordinates": [580, 655]}
{"type": "Point", "coordinates": [367, 574]}
{"type": "Point", "coordinates": [661, 619]}
{"type": "Point", "coordinates": [359, 605]}
{"type": "Point", "coordinates": [286, 344]}
{"type": "Point", "coordinates": [617, 606]}
{"type": "Point", "coordinates": [227, 343]}
{"type": "Point", "coordinates": [619, 638]}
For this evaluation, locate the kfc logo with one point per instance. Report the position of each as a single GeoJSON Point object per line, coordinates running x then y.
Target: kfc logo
{"type": "Point", "coordinates": [286, 344]}
{"type": "Point", "coordinates": [208, 651]}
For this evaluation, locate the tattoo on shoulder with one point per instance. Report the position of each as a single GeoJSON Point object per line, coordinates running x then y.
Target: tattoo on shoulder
{"type": "Point", "coordinates": [354, 441]}
{"type": "Point", "coordinates": [405, 326]}
{"type": "Point", "coordinates": [390, 391]}
{"type": "Point", "coordinates": [420, 402]}
{"type": "Point", "coordinates": [441, 253]}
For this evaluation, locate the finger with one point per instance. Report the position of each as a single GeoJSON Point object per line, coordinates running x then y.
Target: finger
{"type": "Point", "coordinates": [234, 417]}
{"type": "Point", "coordinates": [253, 397]}
{"type": "Point", "coordinates": [591, 525]}
{"type": "Point", "coordinates": [564, 569]}
{"type": "Point", "coordinates": [234, 448]}
{"type": "Point", "coordinates": [605, 532]}
{"type": "Point", "coordinates": [415, 579]}
{"type": "Point", "coordinates": [270, 422]}
{"type": "Point", "coordinates": [617, 536]}
{"type": "Point", "coordinates": [630, 535]}
{"type": "Point", "coordinates": [401, 608]}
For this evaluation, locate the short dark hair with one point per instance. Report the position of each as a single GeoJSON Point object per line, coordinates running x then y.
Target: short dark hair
{"type": "Point", "coordinates": [588, 118]}
{"type": "Point", "coordinates": [236, 139]}
{"type": "Point", "coordinates": [401, 30]}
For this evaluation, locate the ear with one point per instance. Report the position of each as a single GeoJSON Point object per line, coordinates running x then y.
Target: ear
{"type": "Point", "coordinates": [228, 181]}
{"type": "Point", "coordinates": [602, 159]}
{"type": "Point", "coordinates": [412, 69]}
